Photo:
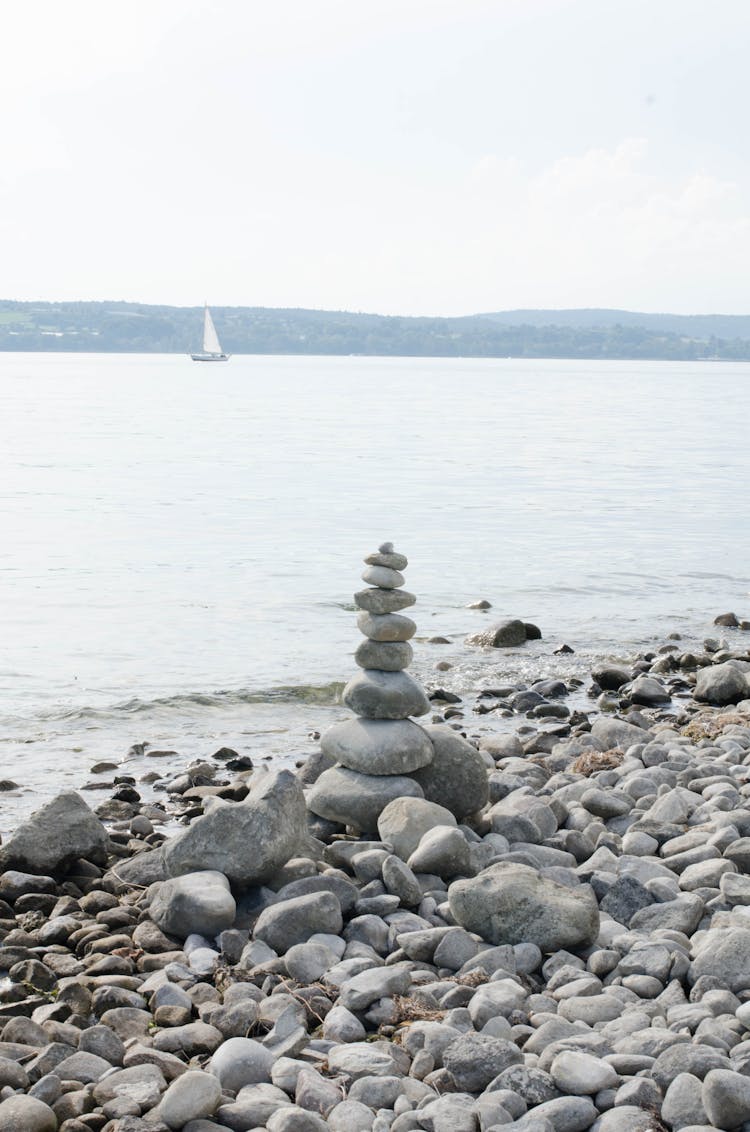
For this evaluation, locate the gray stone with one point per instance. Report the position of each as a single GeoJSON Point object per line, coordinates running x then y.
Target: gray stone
{"type": "Point", "coordinates": [254, 1106]}
{"type": "Point", "coordinates": [404, 821]}
{"type": "Point", "coordinates": [457, 776]}
{"type": "Point", "coordinates": [512, 903]}
{"type": "Point", "coordinates": [247, 841]}
{"type": "Point", "coordinates": [239, 1062]}
{"type": "Point", "coordinates": [455, 948]}
{"type": "Point", "coordinates": [385, 555]}
{"type": "Point", "coordinates": [721, 684]}
{"type": "Point", "coordinates": [388, 657]}
{"type": "Point", "coordinates": [443, 851]}
{"type": "Point", "coordinates": [383, 576]}
{"type": "Point", "coordinates": [609, 733]}
{"type": "Point", "coordinates": [387, 627]}
{"type": "Point", "coordinates": [385, 695]}
{"type": "Point", "coordinates": [683, 1104]}
{"type": "Point", "coordinates": [649, 691]}
{"type": "Point", "coordinates": [579, 1074]}
{"type": "Point", "coordinates": [725, 955]}
{"type": "Point", "coordinates": [380, 601]}
{"type": "Point", "coordinates": [610, 676]}
{"type": "Point", "coordinates": [295, 1119]}
{"type": "Point", "coordinates": [567, 1114]}
{"type": "Point", "coordinates": [362, 990]}
{"type": "Point", "coordinates": [196, 902]}
{"type": "Point", "coordinates": [533, 1086]}
{"type": "Point", "coordinates": [293, 921]}
{"type": "Point", "coordinates": [624, 898]}
{"type": "Point", "coordinates": [399, 879]}
{"type": "Point", "coordinates": [191, 1096]}
{"type": "Point", "coordinates": [364, 1059]}
{"type": "Point", "coordinates": [356, 799]}
{"type": "Point", "coordinates": [315, 1093]}
{"type": "Point", "coordinates": [694, 1058]}
{"type": "Point", "coordinates": [83, 1067]}
{"type": "Point", "coordinates": [681, 915]}
{"type": "Point", "coordinates": [606, 804]}
{"type": "Point", "coordinates": [473, 1060]}
{"type": "Point", "coordinates": [340, 1025]}
{"type": "Point", "coordinates": [378, 746]}
{"type": "Point", "coordinates": [625, 1118]}
{"type": "Point", "coordinates": [501, 635]}
{"type": "Point", "coordinates": [26, 1114]}
{"type": "Point", "coordinates": [351, 1116]}
{"type": "Point", "coordinates": [308, 962]}
{"type": "Point", "coordinates": [142, 1085]}
{"type": "Point", "coordinates": [726, 1098]}
{"type": "Point", "coordinates": [54, 836]}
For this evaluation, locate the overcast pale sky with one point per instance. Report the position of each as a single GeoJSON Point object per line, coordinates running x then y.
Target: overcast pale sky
{"type": "Point", "coordinates": [398, 156]}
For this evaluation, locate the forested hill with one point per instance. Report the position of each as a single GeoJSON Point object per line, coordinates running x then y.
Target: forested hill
{"type": "Point", "coordinates": [119, 327]}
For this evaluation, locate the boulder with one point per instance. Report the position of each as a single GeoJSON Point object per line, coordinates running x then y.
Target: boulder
{"type": "Point", "coordinates": [246, 841]}
{"type": "Point", "coordinates": [721, 684]}
{"type": "Point", "coordinates": [356, 799]}
{"type": "Point", "coordinates": [194, 903]}
{"type": "Point", "coordinates": [457, 777]}
{"type": "Point", "coordinates": [56, 835]}
{"type": "Point", "coordinates": [511, 903]}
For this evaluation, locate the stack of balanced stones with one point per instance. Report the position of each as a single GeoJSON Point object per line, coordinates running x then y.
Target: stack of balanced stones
{"type": "Point", "coordinates": [376, 751]}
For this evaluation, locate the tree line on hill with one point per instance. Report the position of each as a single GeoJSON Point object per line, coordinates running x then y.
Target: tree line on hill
{"type": "Point", "coordinates": [119, 327]}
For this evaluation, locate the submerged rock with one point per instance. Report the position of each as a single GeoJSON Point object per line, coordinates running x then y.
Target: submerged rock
{"type": "Point", "coordinates": [501, 635]}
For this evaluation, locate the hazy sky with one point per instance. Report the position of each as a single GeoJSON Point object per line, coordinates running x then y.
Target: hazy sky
{"type": "Point", "coordinates": [399, 156]}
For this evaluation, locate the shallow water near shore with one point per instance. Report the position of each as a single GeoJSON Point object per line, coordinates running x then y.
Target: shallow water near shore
{"type": "Point", "coordinates": [181, 545]}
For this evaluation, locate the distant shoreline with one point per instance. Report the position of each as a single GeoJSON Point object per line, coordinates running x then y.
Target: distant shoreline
{"type": "Point", "coordinates": [586, 335]}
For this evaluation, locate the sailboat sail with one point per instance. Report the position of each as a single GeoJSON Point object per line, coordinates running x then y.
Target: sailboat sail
{"type": "Point", "coordinates": [211, 344]}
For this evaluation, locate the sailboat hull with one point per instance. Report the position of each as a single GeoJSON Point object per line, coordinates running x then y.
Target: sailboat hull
{"type": "Point", "coordinates": [210, 357]}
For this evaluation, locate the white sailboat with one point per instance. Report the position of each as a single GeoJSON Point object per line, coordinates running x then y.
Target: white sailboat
{"type": "Point", "coordinates": [212, 351]}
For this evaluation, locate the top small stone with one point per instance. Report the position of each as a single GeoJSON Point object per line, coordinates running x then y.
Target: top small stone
{"type": "Point", "coordinates": [385, 555]}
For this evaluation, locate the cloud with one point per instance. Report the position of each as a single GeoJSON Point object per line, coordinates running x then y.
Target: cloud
{"type": "Point", "coordinates": [601, 229]}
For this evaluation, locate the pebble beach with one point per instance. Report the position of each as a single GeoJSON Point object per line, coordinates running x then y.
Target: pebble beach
{"type": "Point", "coordinates": [525, 910]}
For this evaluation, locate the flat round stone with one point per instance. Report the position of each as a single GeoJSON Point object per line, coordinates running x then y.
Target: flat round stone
{"type": "Point", "coordinates": [384, 601]}
{"type": "Point", "coordinates": [390, 558]}
{"type": "Point", "coordinates": [383, 576]}
{"type": "Point", "coordinates": [356, 799]}
{"type": "Point", "coordinates": [385, 695]}
{"type": "Point", "coordinates": [389, 627]}
{"type": "Point", "coordinates": [387, 657]}
{"type": "Point", "coordinates": [378, 746]}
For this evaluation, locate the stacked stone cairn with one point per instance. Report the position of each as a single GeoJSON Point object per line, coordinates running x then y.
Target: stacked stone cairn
{"type": "Point", "coordinates": [376, 752]}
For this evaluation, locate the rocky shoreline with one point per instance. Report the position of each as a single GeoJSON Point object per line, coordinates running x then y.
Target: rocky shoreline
{"type": "Point", "coordinates": [549, 932]}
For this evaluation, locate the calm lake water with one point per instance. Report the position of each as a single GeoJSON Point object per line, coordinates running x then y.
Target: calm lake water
{"type": "Point", "coordinates": [181, 542]}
